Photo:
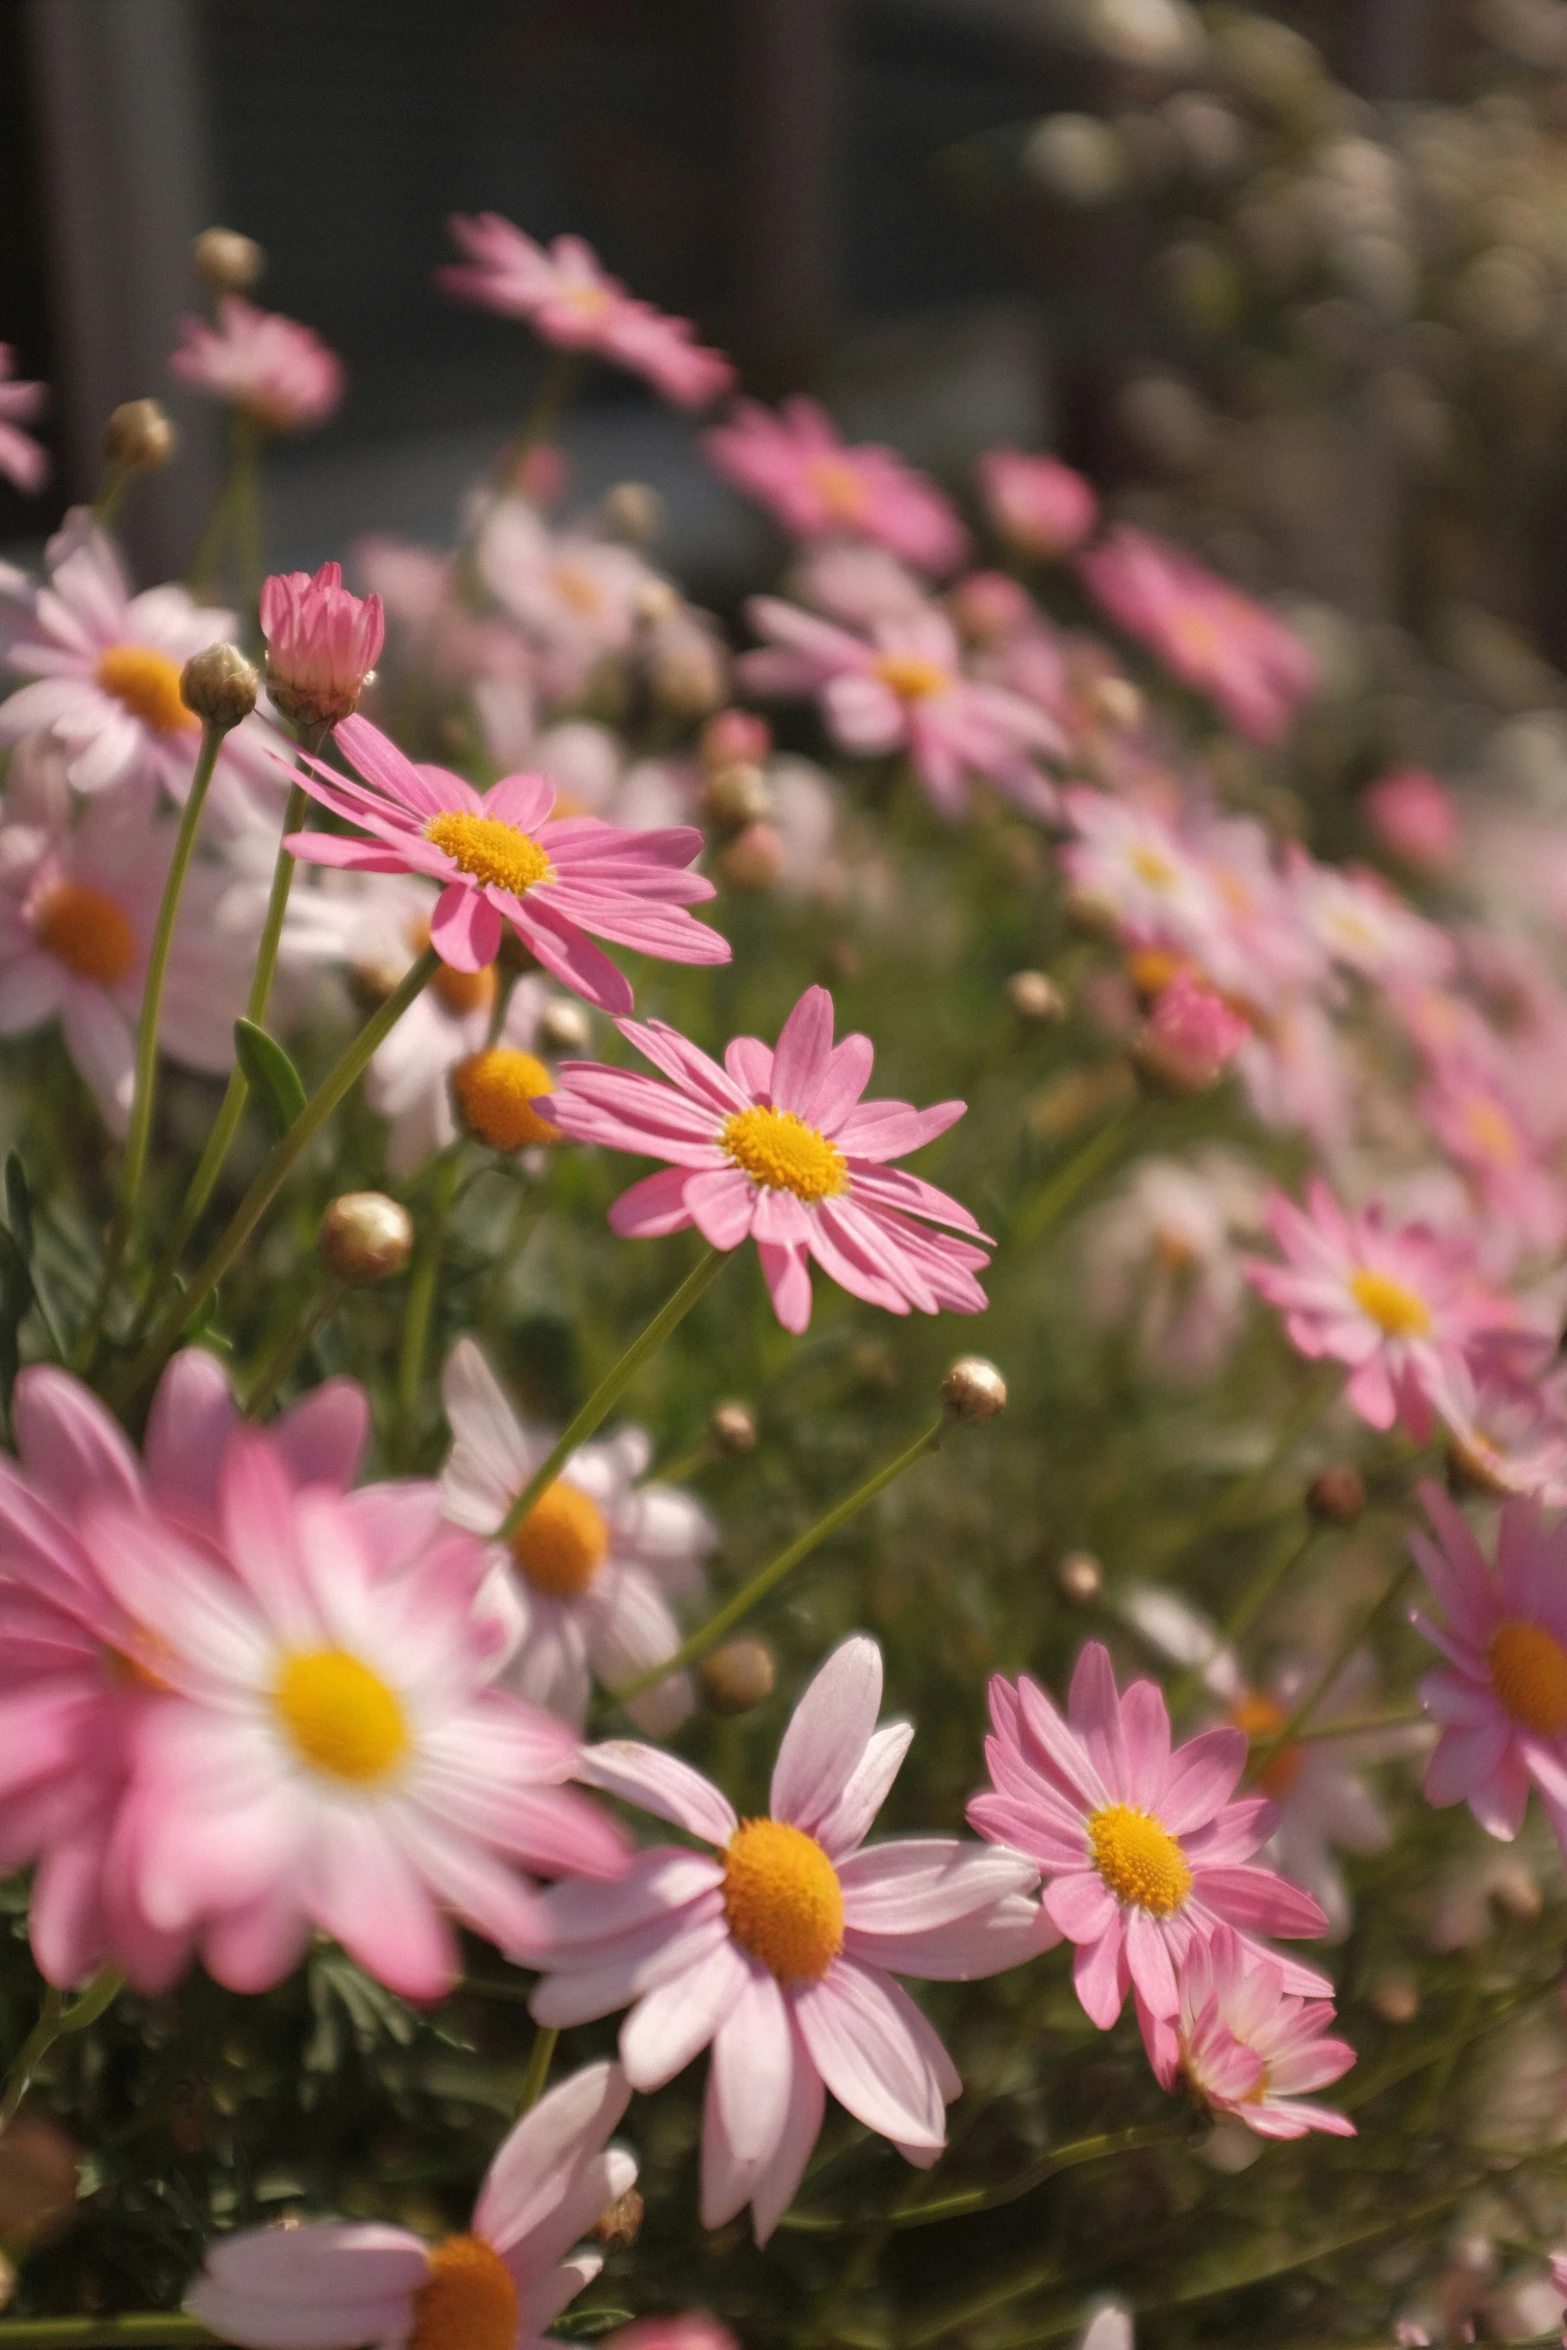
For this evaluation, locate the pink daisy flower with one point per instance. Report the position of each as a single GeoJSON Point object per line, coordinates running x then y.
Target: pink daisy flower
{"type": "Point", "coordinates": [497, 2287]}
{"type": "Point", "coordinates": [322, 644]}
{"type": "Point", "coordinates": [1415, 816]}
{"type": "Point", "coordinates": [1206, 632]}
{"type": "Point", "coordinates": [22, 460]}
{"type": "Point", "coordinates": [780, 1950]}
{"type": "Point", "coordinates": [1402, 1307]}
{"type": "Point", "coordinates": [501, 859]}
{"type": "Point", "coordinates": [1502, 1697]}
{"type": "Point", "coordinates": [1038, 505]}
{"type": "Point", "coordinates": [796, 464]}
{"type": "Point", "coordinates": [1142, 1851]}
{"type": "Point", "coordinates": [904, 688]}
{"type": "Point", "coordinates": [277, 373]}
{"type": "Point", "coordinates": [1245, 2046]}
{"type": "Point", "coordinates": [1482, 1122]}
{"type": "Point", "coordinates": [1508, 1432]}
{"type": "Point", "coordinates": [778, 1146]}
{"type": "Point", "coordinates": [1363, 925]}
{"type": "Point", "coordinates": [568, 298]}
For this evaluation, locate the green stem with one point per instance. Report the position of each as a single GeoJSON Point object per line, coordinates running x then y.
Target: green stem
{"type": "Point", "coordinates": [1101, 2147]}
{"type": "Point", "coordinates": [111, 489]}
{"type": "Point", "coordinates": [421, 1301]}
{"type": "Point", "coordinates": [145, 2326]}
{"type": "Point", "coordinates": [1282, 1554]}
{"type": "Point", "coordinates": [247, 514]}
{"type": "Point", "coordinates": [57, 2018]}
{"type": "Point", "coordinates": [303, 1335]}
{"type": "Point", "coordinates": [538, 2072]}
{"type": "Point", "coordinates": [1360, 1630]}
{"type": "Point", "coordinates": [610, 1388]}
{"type": "Point", "coordinates": [275, 1170]}
{"type": "Point", "coordinates": [1055, 1195]}
{"type": "Point", "coordinates": [769, 1577]}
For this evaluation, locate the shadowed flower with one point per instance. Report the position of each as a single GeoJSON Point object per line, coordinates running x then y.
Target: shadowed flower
{"type": "Point", "coordinates": [22, 459]}
{"type": "Point", "coordinates": [277, 373]}
{"type": "Point", "coordinates": [795, 464]}
{"type": "Point", "coordinates": [1246, 2046]}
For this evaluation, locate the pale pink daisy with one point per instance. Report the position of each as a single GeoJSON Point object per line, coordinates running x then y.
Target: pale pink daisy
{"type": "Point", "coordinates": [22, 459]}
{"type": "Point", "coordinates": [1129, 866]}
{"type": "Point", "coordinates": [857, 582]}
{"type": "Point", "coordinates": [1038, 505]}
{"type": "Point", "coordinates": [1501, 1698]}
{"type": "Point", "coordinates": [1245, 2046]}
{"type": "Point", "coordinates": [1402, 1306]}
{"type": "Point", "coordinates": [796, 464]}
{"type": "Point", "coordinates": [341, 2286]}
{"type": "Point", "coordinates": [322, 643]}
{"type": "Point", "coordinates": [780, 1948]}
{"type": "Point", "coordinates": [1362, 923]}
{"type": "Point", "coordinates": [1415, 816]}
{"type": "Point", "coordinates": [276, 373]}
{"type": "Point", "coordinates": [1205, 631]}
{"type": "Point", "coordinates": [566, 296]}
{"type": "Point", "coordinates": [904, 688]}
{"type": "Point", "coordinates": [1162, 1257]}
{"type": "Point", "coordinates": [501, 859]}
{"type": "Point", "coordinates": [778, 1146]}
{"type": "Point", "coordinates": [579, 598]}
{"type": "Point", "coordinates": [596, 1561]}
{"type": "Point", "coordinates": [1507, 1431]}
{"type": "Point", "coordinates": [1142, 1850]}
{"type": "Point", "coordinates": [1483, 1123]}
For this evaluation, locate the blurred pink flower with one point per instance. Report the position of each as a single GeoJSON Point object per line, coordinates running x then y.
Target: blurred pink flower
{"type": "Point", "coordinates": [778, 1146]}
{"type": "Point", "coordinates": [1508, 1431]}
{"type": "Point", "coordinates": [1036, 504]}
{"type": "Point", "coordinates": [820, 486]}
{"type": "Point", "coordinates": [578, 597]}
{"type": "Point", "coordinates": [904, 689]}
{"type": "Point", "coordinates": [501, 859]}
{"type": "Point", "coordinates": [1244, 2045]}
{"type": "Point", "coordinates": [1163, 1255]}
{"type": "Point", "coordinates": [1129, 866]}
{"type": "Point", "coordinates": [22, 460]}
{"type": "Point", "coordinates": [1142, 1851]}
{"type": "Point", "coordinates": [565, 296]}
{"type": "Point", "coordinates": [987, 605]}
{"type": "Point", "coordinates": [277, 373]}
{"type": "Point", "coordinates": [692, 2329]}
{"type": "Point", "coordinates": [1415, 816]}
{"type": "Point", "coordinates": [1361, 922]}
{"type": "Point", "coordinates": [780, 1949]}
{"type": "Point", "coordinates": [1206, 632]}
{"type": "Point", "coordinates": [322, 643]}
{"type": "Point", "coordinates": [1192, 1033]}
{"type": "Point", "coordinates": [324, 2286]}
{"type": "Point", "coordinates": [1484, 1125]}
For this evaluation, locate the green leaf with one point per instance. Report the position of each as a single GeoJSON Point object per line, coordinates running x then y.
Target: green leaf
{"type": "Point", "coordinates": [269, 1073]}
{"type": "Point", "coordinates": [19, 1202]}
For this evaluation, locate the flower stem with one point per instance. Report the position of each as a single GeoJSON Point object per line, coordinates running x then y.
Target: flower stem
{"type": "Point", "coordinates": [55, 2020]}
{"type": "Point", "coordinates": [1049, 1203]}
{"type": "Point", "coordinates": [539, 2059]}
{"type": "Point", "coordinates": [143, 2326]}
{"type": "Point", "coordinates": [277, 1166]}
{"type": "Point", "coordinates": [303, 1334]}
{"type": "Point", "coordinates": [609, 1390]}
{"type": "Point", "coordinates": [769, 1577]}
{"type": "Point", "coordinates": [1362, 1629]}
{"type": "Point", "coordinates": [421, 1301]}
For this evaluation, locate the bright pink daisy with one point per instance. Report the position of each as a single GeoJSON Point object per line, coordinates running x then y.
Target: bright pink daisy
{"type": "Point", "coordinates": [22, 460]}
{"type": "Point", "coordinates": [568, 298]}
{"type": "Point", "coordinates": [904, 688]}
{"type": "Point", "coordinates": [322, 643]}
{"type": "Point", "coordinates": [1037, 504]}
{"type": "Point", "coordinates": [1502, 1697]}
{"type": "Point", "coordinates": [778, 1146]}
{"type": "Point", "coordinates": [796, 464]}
{"type": "Point", "coordinates": [1244, 2045]}
{"type": "Point", "coordinates": [780, 1950]}
{"type": "Point", "coordinates": [279, 374]}
{"type": "Point", "coordinates": [326, 2287]}
{"type": "Point", "coordinates": [501, 858]}
{"type": "Point", "coordinates": [1142, 1851]}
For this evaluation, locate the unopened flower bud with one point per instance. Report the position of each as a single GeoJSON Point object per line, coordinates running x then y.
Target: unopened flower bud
{"type": "Point", "coordinates": [365, 1237]}
{"type": "Point", "coordinates": [633, 511]}
{"type": "Point", "coordinates": [1118, 702]}
{"type": "Point", "coordinates": [219, 685]}
{"type": "Point", "coordinates": [1033, 996]}
{"type": "Point", "coordinates": [1395, 1997]}
{"type": "Point", "coordinates": [687, 668]}
{"type": "Point", "coordinates": [620, 2223]}
{"type": "Point", "coordinates": [1190, 1036]}
{"type": "Point", "coordinates": [139, 437]}
{"type": "Point", "coordinates": [1337, 1496]}
{"type": "Point", "coordinates": [973, 1390]}
{"type": "Point", "coordinates": [656, 602]}
{"type": "Point", "coordinates": [323, 643]}
{"type": "Point", "coordinates": [495, 1091]}
{"type": "Point", "coordinates": [736, 796]}
{"type": "Point", "coordinates": [1080, 1579]}
{"type": "Point", "coordinates": [988, 604]}
{"type": "Point", "coordinates": [737, 1676]}
{"type": "Point", "coordinates": [735, 737]}
{"type": "Point", "coordinates": [732, 1428]}
{"type": "Point", "coordinates": [1514, 1895]}
{"type": "Point", "coordinates": [565, 1027]}
{"type": "Point", "coordinates": [753, 860]}
{"type": "Point", "coordinates": [226, 262]}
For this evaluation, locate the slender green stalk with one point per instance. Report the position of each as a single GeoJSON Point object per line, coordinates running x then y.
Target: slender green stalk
{"type": "Point", "coordinates": [421, 1300]}
{"type": "Point", "coordinates": [56, 2020]}
{"type": "Point", "coordinates": [303, 1335]}
{"type": "Point", "coordinates": [247, 513]}
{"type": "Point", "coordinates": [111, 489]}
{"type": "Point", "coordinates": [769, 1577]}
{"type": "Point", "coordinates": [538, 2072]}
{"type": "Point", "coordinates": [143, 2327]}
{"type": "Point", "coordinates": [1049, 1203]}
{"type": "Point", "coordinates": [925, 2212]}
{"type": "Point", "coordinates": [1282, 1555]}
{"type": "Point", "coordinates": [610, 1389]}
{"type": "Point", "coordinates": [278, 1165]}
{"type": "Point", "coordinates": [1360, 1630]}
{"type": "Point", "coordinates": [1404, 1717]}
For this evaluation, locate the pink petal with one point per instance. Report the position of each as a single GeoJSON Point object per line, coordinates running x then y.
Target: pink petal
{"type": "Point", "coordinates": [789, 1285]}
{"type": "Point", "coordinates": [778, 2182]}
{"type": "Point", "coordinates": [675, 2021]}
{"type": "Point", "coordinates": [753, 2067]}
{"type": "Point", "coordinates": [721, 1204]}
{"type": "Point", "coordinates": [660, 1783]}
{"type": "Point", "coordinates": [533, 2167]}
{"type": "Point", "coordinates": [877, 2054]}
{"type": "Point", "coordinates": [801, 1056]}
{"type": "Point", "coordinates": [1082, 1905]}
{"type": "Point", "coordinates": [654, 1207]}
{"type": "Point", "coordinates": [465, 929]}
{"type": "Point", "coordinates": [844, 1825]}
{"type": "Point", "coordinates": [827, 1735]}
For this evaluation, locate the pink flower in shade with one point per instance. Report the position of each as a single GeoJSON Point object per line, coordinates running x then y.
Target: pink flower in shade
{"type": "Point", "coordinates": [692, 2329]}
{"type": "Point", "coordinates": [780, 1948]}
{"type": "Point", "coordinates": [1481, 1121]}
{"type": "Point", "coordinates": [340, 2287]}
{"type": "Point", "coordinates": [1206, 632]}
{"type": "Point", "coordinates": [1501, 1698]}
{"type": "Point", "coordinates": [1508, 1432]}
{"type": "Point", "coordinates": [276, 372]}
{"type": "Point", "coordinates": [568, 298]}
{"type": "Point", "coordinates": [1192, 1033]}
{"type": "Point", "coordinates": [904, 688]}
{"type": "Point", "coordinates": [1245, 2046]}
{"type": "Point", "coordinates": [819, 486]}
{"type": "Point", "coordinates": [1415, 816]}
{"type": "Point", "coordinates": [1038, 505]}
{"type": "Point", "coordinates": [322, 643]}
{"type": "Point", "coordinates": [22, 460]}
{"type": "Point", "coordinates": [1142, 1851]}
{"type": "Point", "coordinates": [501, 859]}
{"type": "Point", "coordinates": [778, 1146]}
{"type": "Point", "coordinates": [1403, 1307]}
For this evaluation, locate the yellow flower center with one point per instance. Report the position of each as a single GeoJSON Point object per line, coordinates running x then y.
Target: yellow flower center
{"type": "Point", "coordinates": [468, 2302]}
{"type": "Point", "coordinates": [1390, 1305]}
{"type": "Point", "coordinates": [840, 488]}
{"type": "Point", "coordinates": [87, 931]}
{"type": "Point", "coordinates": [500, 855]}
{"type": "Point", "coordinates": [496, 1090]}
{"type": "Point", "coordinates": [782, 1899]}
{"type": "Point", "coordinates": [1260, 1717]}
{"type": "Point", "coordinates": [779, 1151]}
{"type": "Point", "coordinates": [562, 1542]}
{"type": "Point", "coordinates": [148, 684]}
{"type": "Point", "coordinates": [1152, 867]}
{"type": "Point", "coordinates": [1529, 1675]}
{"type": "Point", "coordinates": [459, 991]}
{"type": "Point", "coordinates": [1139, 1859]}
{"type": "Point", "coordinates": [910, 678]}
{"type": "Point", "coordinates": [341, 1716]}
{"type": "Point", "coordinates": [1491, 1131]}
{"type": "Point", "coordinates": [581, 591]}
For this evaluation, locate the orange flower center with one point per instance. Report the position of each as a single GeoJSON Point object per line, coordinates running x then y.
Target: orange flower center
{"type": "Point", "coordinates": [1260, 1717]}
{"type": "Point", "coordinates": [468, 2302]}
{"type": "Point", "coordinates": [783, 1899]}
{"type": "Point", "coordinates": [779, 1151]}
{"type": "Point", "coordinates": [459, 991]}
{"type": "Point", "coordinates": [1491, 1131]}
{"type": "Point", "coordinates": [562, 1542]}
{"type": "Point", "coordinates": [1393, 1308]}
{"type": "Point", "coordinates": [87, 931]}
{"type": "Point", "coordinates": [148, 684]}
{"type": "Point", "coordinates": [496, 1090]}
{"type": "Point", "coordinates": [1529, 1675]}
{"type": "Point", "coordinates": [1139, 1859]}
{"type": "Point", "coordinates": [840, 488]}
{"type": "Point", "coordinates": [500, 855]}
{"type": "Point", "coordinates": [910, 678]}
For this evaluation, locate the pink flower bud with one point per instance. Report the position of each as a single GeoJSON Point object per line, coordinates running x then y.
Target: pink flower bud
{"type": "Point", "coordinates": [736, 738]}
{"type": "Point", "coordinates": [1037, 504]}
{"type": "Point", "coordinates": [322, 643]}
{"type": "Point", "coordinates": [543, 475]}
{"type": "Point", "coordinates": [987, 604]}
{"type": "Point", "coordinates": [1413, 815]}
{"type": "Point", "coordinates": [1191, 1034]}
